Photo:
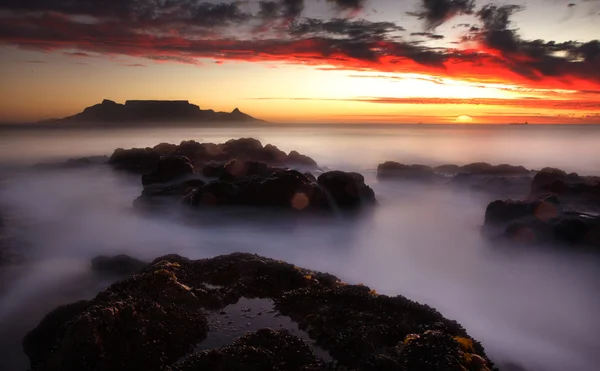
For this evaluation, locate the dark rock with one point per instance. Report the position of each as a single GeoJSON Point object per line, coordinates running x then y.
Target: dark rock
{"type": "Point", "coordinates": [502, 212]}
{"type": "Point", "coordinates": [169, 169]}
{"type": "Point", "coordinates": [136, 160]}
{"type": "Point", "coordinates": [120, 264]}
{"type": "Point", "coordinates": [483, 168]}
{"type": "Point", "coordinates": [201, 154]}
{"type": "Point", "coordinates": [213, 170]}
{"type": "Point", "coordinates": [395, 170]}
{"type": "Point", "coordinates": [347, 190]}
{"type": "Point", "coordinates": [262, 350]}
{"type": "Point", "coordinates": [541, 221]}
{"type": "Point", "coordinates": [237, 169]}
{"type": "Point", "coordinates": [151, 316]}
{"type": "Point", "coordinates": [545, 177]}
{"type": "Point", "coordinates": [447, 169]}
{"type": "Point", "coordinates": [158, 196]}
{"type": "Point", "coordinates": [296, 158]}
{"type": "Point", "coordinates": [158, 316]}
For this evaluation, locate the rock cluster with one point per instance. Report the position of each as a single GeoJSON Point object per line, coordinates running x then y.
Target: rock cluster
{"type": "Point", "coordinates": [145, 160]}
{"type": "Point", "coordinates": [542, 220]}
{"type": "Point", "coordinates": [250, 183]}
{"type": "Point", "coordinates": [155, 319]}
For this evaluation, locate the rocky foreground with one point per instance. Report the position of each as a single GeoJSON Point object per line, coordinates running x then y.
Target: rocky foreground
{"type": "Point", "coordinates": [155, 320]}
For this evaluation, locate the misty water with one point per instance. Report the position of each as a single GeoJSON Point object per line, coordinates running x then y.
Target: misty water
{"type": "Point", "coordinates": [536, 307]}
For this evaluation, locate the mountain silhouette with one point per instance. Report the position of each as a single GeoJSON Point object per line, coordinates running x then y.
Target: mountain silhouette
{"type": "Point", "coordinates": [136, 112]}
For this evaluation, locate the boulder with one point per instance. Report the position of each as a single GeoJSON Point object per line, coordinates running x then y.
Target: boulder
{"type": "Point", "coordinates": [136, 160]}
{"type": "Point", "coordinates": [545, 177]}
{"type": "Point", "coordinates": [483, 168]}
{"type": "Point", "coordinates": [169, 169]}
{"type": "Point", "coordinates": [503, 212]}
{"type": "Point", "coordinates": [346, 190]}
{"type": "Point", "coordinates": [120, 264]}
{"type": "Point", "coordinates": [541, 221]}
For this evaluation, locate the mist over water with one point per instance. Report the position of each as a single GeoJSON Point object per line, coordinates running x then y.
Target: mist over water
{"type": "Point", "coordinates": [535, 307]}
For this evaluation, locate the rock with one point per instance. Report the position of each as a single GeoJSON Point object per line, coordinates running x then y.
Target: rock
{"type": "Point", "coordinates": [120, 264]}
{"type": "Point", "coordinates": [159, 315]}
{"type": "Point", "coordinates": [151, 315]}
{"type": "Point", "coordinates": [169, 169]}
{"type": "Point", "coordinates": [7, 258]}
{"type": "Point", "coordinates": [347, 190]}
{"type": "Point", "coordinates": [541, 221]}
{"type": "Point", "coordinates": [258, 185]}
{"type": "Point", "coordinates": [502, 212]}
{"type": "Point", "coordinates": [545, 177]}
{"type": "Point", "coordinates": [296, 158]}
{"type": "Point", "coordinates": [159, 196]}
{"type": "Point", "coordinates": [261, 350]}
{"type": "Point", "coordinates": [395, 170]}
{"type": "Point", "coordinates": [136, 160]}
{"type": "Point", "coordinates": [483, 168]}
{"type": "Point", "coordinates": [213, 170]}
{"type": "Point", "coordinates": [201, 154]}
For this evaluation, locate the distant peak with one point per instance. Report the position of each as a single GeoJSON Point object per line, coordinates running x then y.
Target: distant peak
{"type": "Point", "coordinates": [108, 101]}
{"type": "Point", "coordinates": [236, 110]}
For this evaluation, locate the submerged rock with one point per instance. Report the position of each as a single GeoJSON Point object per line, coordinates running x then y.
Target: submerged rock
{"type": "Point", "coordinates": [153, 320]}
{"type": "Point", "coordinates": [395, 170]}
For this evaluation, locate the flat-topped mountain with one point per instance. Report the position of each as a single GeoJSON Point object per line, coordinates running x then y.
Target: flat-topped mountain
{"type": "Point", "coordinates": [152, 111]}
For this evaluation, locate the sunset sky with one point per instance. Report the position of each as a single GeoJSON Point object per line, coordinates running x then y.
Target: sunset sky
{"type": "Point", "coordinates": [430, 61]}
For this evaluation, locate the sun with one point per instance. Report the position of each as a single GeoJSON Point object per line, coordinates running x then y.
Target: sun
{"type": "Point", "coordinates": [464, 119]}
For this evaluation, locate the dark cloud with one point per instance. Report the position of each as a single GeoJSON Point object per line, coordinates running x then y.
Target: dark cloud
{"type": "Point", "coordinates": [428, 35]}
{"type": "Point", "coordinates": [570, 5]}
{"type": "Point", "coordinates": [436, 12]}
{"type": "Point", "coordinates": [186, 31]}
{"type": "Point", "coordinates": [535, 59]}
{"type": "Point", "coordinates": [348, 4]}
{"type": "Point", "coordinates": [354, 29]}
{"type": "Point", "coordinates": [189, 12]}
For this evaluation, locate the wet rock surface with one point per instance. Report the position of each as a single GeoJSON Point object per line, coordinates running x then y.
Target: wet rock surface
{"type": "Point", "coordinates": [145, 160]}
{"type": "Point", "coordinates": [256, 184]}
{"type": "Point", "coordinates": [538, 221]}
{"type": "Point", "coordinates": [169, 169]}
{"type": "Point", "coordinates": [579, 191]}
{"type": "Point", "coordinates": [155, 319]}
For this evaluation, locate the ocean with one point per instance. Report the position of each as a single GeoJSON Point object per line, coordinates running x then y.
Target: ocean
{"type": "Point", "coordinates": [536, 307]}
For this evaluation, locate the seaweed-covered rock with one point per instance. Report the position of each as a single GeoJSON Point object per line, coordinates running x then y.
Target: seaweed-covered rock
{"type": "Point", "coordinates": [153, 320]}
{"type": "Point", "coordinates": [120, 264]}
{"type": "Point", "coordinates": [144, 323]}
{"type": "Point", "coordinates": [169, 169]}
{"type": "Point", "coordinates": [263, 350]}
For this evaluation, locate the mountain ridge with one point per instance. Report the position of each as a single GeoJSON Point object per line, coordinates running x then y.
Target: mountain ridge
{"type": "Point", "coordinates": [136, 112]}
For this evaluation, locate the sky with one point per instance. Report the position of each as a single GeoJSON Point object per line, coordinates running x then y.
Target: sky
{"type": "Point", "coordinates": [338, 61]}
